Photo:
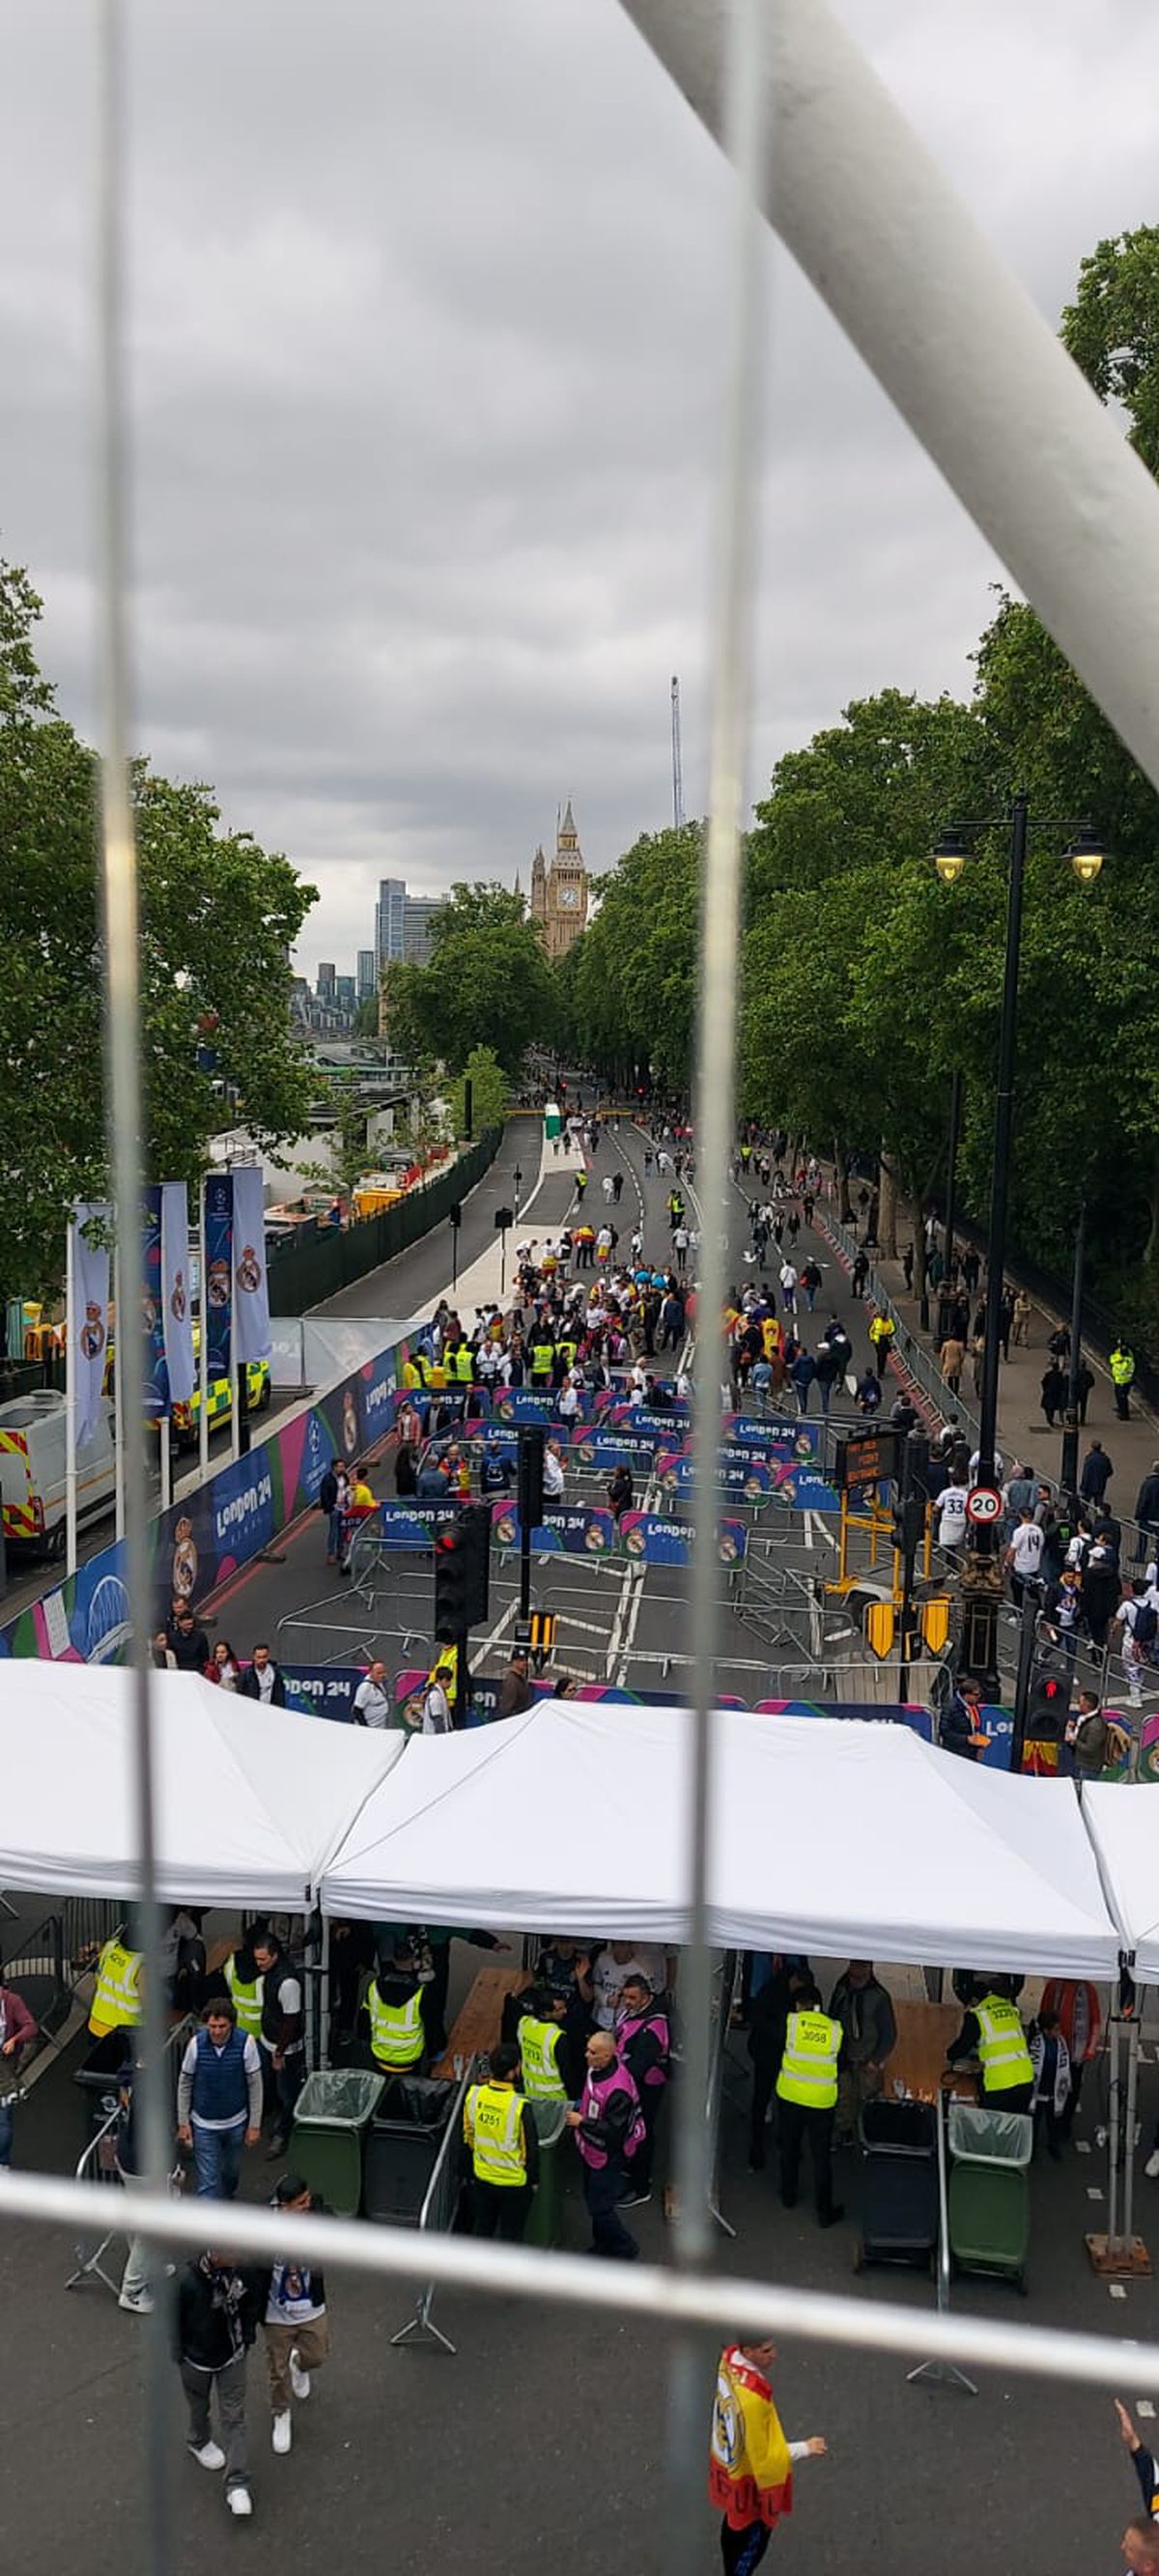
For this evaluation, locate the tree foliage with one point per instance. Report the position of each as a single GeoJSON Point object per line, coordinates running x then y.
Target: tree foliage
{"type": "Point", "coordinates": [487, 983]}
{"type": "Point", "coordinates": [489, 1092]}
{"type": "Point", "coordinates": [632, 976]}
{"type": "Point", "coordinates": [218, 918]}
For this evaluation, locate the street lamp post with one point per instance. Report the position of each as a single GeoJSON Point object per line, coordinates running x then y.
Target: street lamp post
{"type": "Point", "coordinates": [1069, 1470]}
{"type": "Point", "coordinates": [982, 1569]}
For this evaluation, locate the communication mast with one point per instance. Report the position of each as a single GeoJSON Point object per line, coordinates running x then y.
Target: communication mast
{"type": "Point", "coordinates": [677, 771]}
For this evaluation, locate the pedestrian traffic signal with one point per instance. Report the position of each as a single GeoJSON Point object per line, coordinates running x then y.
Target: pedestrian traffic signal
{"type": "Point", "coordinates": [1047, 1711]}
{"type": "Point", "coordinates": [462, 1573]}
{"type": "Point", "coordinates": [455, 1215]}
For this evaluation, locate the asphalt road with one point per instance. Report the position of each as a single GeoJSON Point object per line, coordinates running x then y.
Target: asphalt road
{"type": "Point", "coordinates": [412, 1283]}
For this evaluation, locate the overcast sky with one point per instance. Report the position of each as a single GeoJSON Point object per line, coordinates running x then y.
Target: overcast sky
{"type": "Point", "coordinates": [425, 344]}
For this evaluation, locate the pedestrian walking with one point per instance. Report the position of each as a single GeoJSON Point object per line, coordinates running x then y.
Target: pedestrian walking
{"type": "Point", "coordinates": [643, 2038]}
{"type": "Point", "coordinates": [1053, 1392]}
{"type": "Point", "coordinates": [881, 1334]}
{"type": "Point", "coordinates": [296, 2324]}
{"type": "Point", "coordinates": [750, 2472]}
{"type": "Point", "coordinates": [328, 1492]}
{"type": "Point", "coordinates": [219, 2099]}
{"type": "Point", "coordinates": [218, 2308]}
{"type": "Point", "coordinates": [373, 1705]}
{"type": "Point", "coordinates": [788, 1285]}
{"type": "Point", "coordinates": [1021, 1320]}
{"type": "Point", "coordinates": [282, 2027]}
{"type": "Point", "coordinates": [262, 1680]}
{"type": "Point", "coordinates": [1122, 1376]}
{"type": "Point", "coordinates": [860, 1273]}
{"type": "Point", "coordinates": [1097, 1471]}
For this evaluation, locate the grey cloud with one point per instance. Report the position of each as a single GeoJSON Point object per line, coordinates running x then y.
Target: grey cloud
{"type": "Point", "coordinates": [426, 337]}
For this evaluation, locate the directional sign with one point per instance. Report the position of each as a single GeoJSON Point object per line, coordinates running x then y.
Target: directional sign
{"type": "Point", "coordinates": [984, 1504]}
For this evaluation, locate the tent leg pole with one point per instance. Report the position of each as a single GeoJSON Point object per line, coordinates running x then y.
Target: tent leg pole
{"type": "Point", "coordinates": [1129, 2138]}
{"type": "Point", "coordinates": [942, 2374]}
{"type": "Point", "coordinates": [1113, 2141]}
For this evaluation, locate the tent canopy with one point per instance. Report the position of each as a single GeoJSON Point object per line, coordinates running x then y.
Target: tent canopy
{"type": "Point", "coordinates": [842, 1839]}
{"type": "Point", "coordinates": [1124, 1827]}
{"type": "Point", "coordinates": [251, 1802]}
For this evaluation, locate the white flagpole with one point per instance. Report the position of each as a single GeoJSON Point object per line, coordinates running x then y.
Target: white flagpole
{"type": "Point", "coordinates": [120, 1327]}
{"type": "Point", "coordinates": [238, 1377]}
{"type": "Point", "coordinates": [203, 1348]}
{"type": "Point", "coordinates": [166, 1463]}
{"type": "Point", "coordinates": [70, 1398]}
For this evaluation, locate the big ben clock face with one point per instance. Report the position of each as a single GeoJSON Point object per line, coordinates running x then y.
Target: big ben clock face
{"type": "Point", "coordinates": [569, 898]}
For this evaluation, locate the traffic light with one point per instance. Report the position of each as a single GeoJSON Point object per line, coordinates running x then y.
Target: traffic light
{"type": "Point", "coordinates": [462, 1573]}
{"type": "Point", "coordinates": [530, 1479]}
{"type": "Point", "coordinates": [1047, 1710]}
{"type": "Point", "coordinates": [909, 1520]}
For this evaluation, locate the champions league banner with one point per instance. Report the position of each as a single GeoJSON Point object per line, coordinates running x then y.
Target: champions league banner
{"type": "Point", "coordinates": [656, 1541]}
{"type": "Point", "coordinates": [250, 1284]}
{"type": "Point", "coordinates": [217, 1285]}
{"type": "Point", "coordinates": [88, 1318]}
{"type": "Point", "coordinates": [152, 1307]}
{"type": "Point", "coordinates": [176, 1303]}
{"type": "Point", "coordinates": [560, 1533]}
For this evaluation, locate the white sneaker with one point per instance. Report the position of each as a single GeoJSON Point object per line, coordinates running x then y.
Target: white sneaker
{"type": "Point", "coordinates": [239, 2500]}
{"type": "Point", "coordinates": [299, 2378]}
{"type": "Point", "coordinates": [138, 2303]}
{"type": "Point", "coordinates": [283, 2431]}
{"type": "Point", "coordinates": [209, 2456]}
{"type": "Point", "coordinates": [1151, 2168]}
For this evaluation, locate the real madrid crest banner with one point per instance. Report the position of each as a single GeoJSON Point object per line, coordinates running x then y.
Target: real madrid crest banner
{"type": "Point", "coordinates": [88, 1324]}
{"type": "Point", "coordinates": [176, 1302]}
{"type": "Point", "coordinates": [251, 1291]}
{"type": "Point", "coordinates": [156, 1373]}
{"type": "Point", "coordinates": [217, 1292]}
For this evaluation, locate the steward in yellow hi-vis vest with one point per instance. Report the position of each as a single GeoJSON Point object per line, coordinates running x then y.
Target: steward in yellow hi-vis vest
{"type": "Point", "coordinates": [807, 2100]}
{"type": "Point", "coordinates": [750, 2469]}
{"type": "Point", "coordinates": [503, 2143]}
{"type": "Point", "coordinates": [117, 2002]}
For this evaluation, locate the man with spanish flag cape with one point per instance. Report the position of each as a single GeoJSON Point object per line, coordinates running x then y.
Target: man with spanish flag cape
{"type": "Point", "coordinates": [750, 2470]}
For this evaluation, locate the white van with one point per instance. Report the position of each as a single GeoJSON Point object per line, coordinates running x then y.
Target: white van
{"type": "Point", "coordinates": [32, 1471]}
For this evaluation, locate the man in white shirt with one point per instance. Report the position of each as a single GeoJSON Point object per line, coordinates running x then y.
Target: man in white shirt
{"type": "Point", "coordinates": [372, 1698]}
{"type": "Point", "coordinates": [552, 1473]}
{"type": "Point", "coordinates": [219, 2098]}
{"type": "Point", "coordinates": [567, 1403]}
{"type": "Point", "coordinates": [951, 1509]}
{"type": "Point", "coordinates": [788, 1279]}
{"type": "Point", "coordinates": [1023, 1557]}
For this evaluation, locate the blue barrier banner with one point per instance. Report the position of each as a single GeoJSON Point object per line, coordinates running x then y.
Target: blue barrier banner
{"type": "Point", "coordinates": [804, 1488]}
{"type": "Point", "coordinates": [243, 1508]}
{"type": "Point", "coordinates": [565, 1532]}
{"type": "Point", "coordinates": [748, 1478]}
{"type": "Point", "coordinates": [411, 1524]}
{"type": "Point", "coordinates": [319, 1691]}
{"type": "Point", "coordinates": [779, 1439]}
{"type": "Point", "coordinates": [663, 1424]}
{"type": "Point", "coordinates": [656, 1541]}
{"type": "Point", "coordinates": [600, 1447]}
{"type": "Point", "coordinates": [533, 1404]}
{"type": "Point", "coordinates": [614, 1399]}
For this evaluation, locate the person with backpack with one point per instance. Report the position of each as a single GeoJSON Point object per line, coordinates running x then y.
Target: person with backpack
{"type": "Point", "coordinates": [1135, 1629]}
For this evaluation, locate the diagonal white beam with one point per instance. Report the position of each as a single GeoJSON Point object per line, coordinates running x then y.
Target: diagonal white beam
{"type": "Point", "coordinates": [953, 338]}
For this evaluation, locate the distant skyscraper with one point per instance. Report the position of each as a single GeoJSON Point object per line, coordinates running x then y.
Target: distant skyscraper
{"type": "Point", "coordinates": [327, 980]}
{"type": "Point", "coordinates": [418, 913]}
{"type": "Point", "coordinates": [345, 992]}
{"type": "Point", "coordinates": [367, 974]}
{"type": "Point", "coordinates": [388, 920]}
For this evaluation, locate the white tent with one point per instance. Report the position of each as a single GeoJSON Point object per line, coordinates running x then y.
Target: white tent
{"type": "Point", "coordinates": [251, 1802]}
{"type": "Point", "coordinates": [1123, 1823]}
{"type": "Point", "coordinates": [839, 1839]}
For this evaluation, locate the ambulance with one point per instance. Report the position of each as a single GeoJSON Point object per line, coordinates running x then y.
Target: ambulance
{"type": "Point", "coordinates": [186, 1417]}
{"type": "Point", "coordinates": [32, 1459]}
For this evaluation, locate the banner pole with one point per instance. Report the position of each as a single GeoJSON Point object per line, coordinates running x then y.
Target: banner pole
{"type": "Point", "coordinates": [70, 1397]}
{"type": "Point", "coordinates": [121, 1325]}
{"type": "Point", "coordinates": [203, 1352]}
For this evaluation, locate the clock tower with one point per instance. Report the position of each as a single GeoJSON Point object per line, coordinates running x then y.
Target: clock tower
{"type": "Point", "coordinates": [559, 890]}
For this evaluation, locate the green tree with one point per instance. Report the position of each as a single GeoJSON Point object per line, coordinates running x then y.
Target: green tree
{"type": "Point", "coordinates": [633, 981]}
{"type": "Point", "coordinates": [487, 983]}
{"type": "Point", "coordinates": [489, 1090]}
{"type": "Point", "coordinates": [218, 918]}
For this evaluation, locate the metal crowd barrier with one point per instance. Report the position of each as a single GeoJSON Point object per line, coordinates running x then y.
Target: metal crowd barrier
{"type": "Point", "coordinates": [437, 2214]}
{"type": "Point", "coordinates": [99, 2165]}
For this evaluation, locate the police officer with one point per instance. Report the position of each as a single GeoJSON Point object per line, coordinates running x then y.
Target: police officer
{"type": "Point", "coordinates": [504, 2149]}
{"type": "Point", "coordinates": [807, 2099]}
{"type": "Point", "coordinates": [992, 2032]}
{"type": "Point", "coordinates": [1122, 1376]}
{"type": "Point", "coordinates": [394, 2014]}
{"type": "Point", "coordinates": [542, 2040]}
{"type": "Point", "coordinates": [117, 2002]}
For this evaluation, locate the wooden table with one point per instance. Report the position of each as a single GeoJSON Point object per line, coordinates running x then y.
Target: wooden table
{"type": "Point", "coordinates": [924, 2032]}
{"type": "Point", "coordinates": [478, 2026]}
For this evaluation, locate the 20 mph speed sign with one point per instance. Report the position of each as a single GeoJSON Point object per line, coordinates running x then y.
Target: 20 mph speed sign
{"type": "Point", "coordinates": [984, 1504]}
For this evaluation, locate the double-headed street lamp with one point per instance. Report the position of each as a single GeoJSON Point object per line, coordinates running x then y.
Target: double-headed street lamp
{"type": "Point", "coordinates": [982, 1571]}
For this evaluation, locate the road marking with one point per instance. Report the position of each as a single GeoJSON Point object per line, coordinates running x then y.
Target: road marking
{"type": "Point", "coordinates": [1116, 2290]}
{"type": "Point", "coordinates": [1143, 2406]}
{"type": "Point", "coordinates": [1093, 2191]}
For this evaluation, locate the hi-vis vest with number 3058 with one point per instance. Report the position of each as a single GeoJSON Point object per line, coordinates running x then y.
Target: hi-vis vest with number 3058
{"type": "Point", "coordinates": [1002, 2051]}
{"type": "Point", "coordinates": [538, 2047]}
{"type": "Point", "coordinates": [494, 2120]}
{"type": "Point", "coordinates": [116, 2004]}
{"type": "Point", "coordinates": [397, 2037]}
{"type": "Point", "coordinates": [247, 1999]}
{"type": "Point", "coordinates": [809, 2066]}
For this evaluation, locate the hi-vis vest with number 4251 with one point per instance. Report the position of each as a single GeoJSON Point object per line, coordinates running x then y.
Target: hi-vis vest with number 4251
{"type": "Point", "coordinates": [493, 2122]}
{"type": "Point", "coordinates": [809, 2066]}
{"type": "Point", "coordinates": [397, 2037]}
{"type": "Point", "coordinates": [1002, 2051]}
{"type": "Point", "coordinates": [538, 2047]}
{"type": "Point", "coordinates": [116, 2004]}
